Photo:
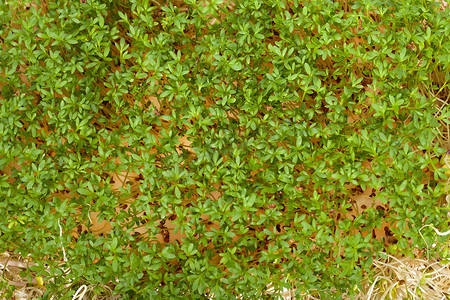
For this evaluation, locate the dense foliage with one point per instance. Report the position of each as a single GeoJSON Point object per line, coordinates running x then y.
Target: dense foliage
{"type": "Point", "coordinates": [216, 148]}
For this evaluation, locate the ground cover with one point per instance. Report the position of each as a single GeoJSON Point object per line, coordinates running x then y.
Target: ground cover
{"type": "Point", "coordinates": [224, 148]}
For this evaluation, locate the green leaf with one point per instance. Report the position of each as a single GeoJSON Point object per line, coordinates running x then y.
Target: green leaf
{"type": "Point", "coordinates": [236, 66]}
{"type": "Point", "coordinates": [83, 191]}
{"type": "Point", "coordinates": [249, 201]}
{"type": "Point", "coordinates": [167, 254]}
{"type": "Point", "coordinates": [307, 68]}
